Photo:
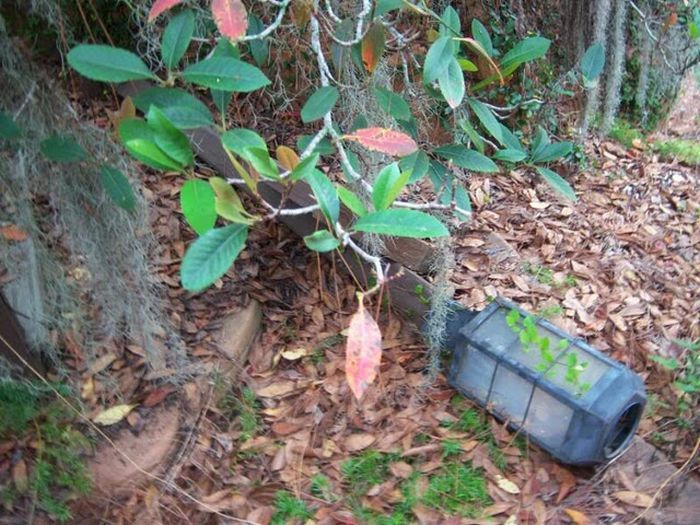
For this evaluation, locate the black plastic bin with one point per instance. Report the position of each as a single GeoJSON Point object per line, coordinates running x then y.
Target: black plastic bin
{"type": "Point", "coordinates": [570, 399]}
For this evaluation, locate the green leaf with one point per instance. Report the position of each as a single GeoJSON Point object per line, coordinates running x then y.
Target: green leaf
{"type": "Point", "coordinates": [474, 136]}
{"type": "Point", "coordinates": [211, 255]}
{"type": "Point", "coordinates": [510, 140]}
{"type": "Point", "coordinates": [228, 203]}
{"type": "Point", "coordinates": [222, 98]}
{"type": "Point", "coordinates": [224, 73]}
{"type": "Point", "coordinates": [258, 47]}
{"type": "Point", "coordinates": [468, 159]}
{"type": "Point", "coordinates": [593, 62]}
{"type": "Point", "coordinates": [321, 241]}
{"type": "Point", "coordinates": [198, 205]}
{"type": "Point", "coordinates": [481, 35]}
{"type": "Point", "coordinates": [354, 162]}
{"type": "Point", "coordinates": [62, 148]}
{"type": "Point", "coordinates": [260, 159]}
{"type": "Point", "coordinates": [325, 194]}
{"type": "Point", "coordinates": [181, 108]}
{"type": "Point", "coordinates": [388, 185]}
{"type": "Point", "coordinates": [176, 38]}
{"type": "Point", "coordinates": [560, 185]}
{"type": "Point", "coordinates": [351, 201]}
{"type": "Point", "coordinates": [170, 139]}
{"type": "Point", "coordinates": [552, 152]}
{"type": "Point", "coordinates": [510, 155]}
{"type": "Point", "coordinates": [392, 103]}
{"type": "Point", "coordinates": [539, 142]}
{"type": "Point", "coordinates": [669, 363]}
{"type": "Point", "coordinates": [467, 65]}
{"type": "Point", "coordinates": [416, 164]}
{"type": "Point", "coordinates": [463, 202]}
{"type": "Point", "coordinates": [385, 6]}
{"type": "Point", "coordinates": [304, 168]}
{"type": "Point", "coordinates": [449, 23]}
{"type": "Point", "coordinates": [693, 30]}
{"type": "Point", "coordinates": [319, 103]}
{"type": "Point", "coordinates": [107, 64]}
{"type": "Point", "coordinates": [325, 147]}
{"type": "Point", "coordinates": [488, 120]}
{"type": "Point", "coordinates": [9, 130]}
{"type": "Point", "coordinates": [438, 58]}
{"type": "Point", "coordinates": [238, 140]}
{"type": "Point", "coordinates": [402, 223]}
{"type": "Point", "coordinates": [117, 186]}
{"type": "Point", "coordinates": [139, 140]}
{"type": "Point", "coordinates": [526, 50]}
{"type": "Point", "coordinates": [451, 83]}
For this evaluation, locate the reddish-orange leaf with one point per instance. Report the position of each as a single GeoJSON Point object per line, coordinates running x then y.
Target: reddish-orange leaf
{"type": "Point", "coordinates": [363, 351]}
{"type": "Point", "coordinates": [231, 18]}
{"type": "Point", "coordinates": [385, 140]}
{"type": "Point", "coordinates": [12, 232]}
{"type": "Point", "coordinates": [160, 6]}
{"type": "Point", "coordinates": [373, 46]}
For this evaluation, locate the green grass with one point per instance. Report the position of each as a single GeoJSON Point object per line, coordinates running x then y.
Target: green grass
{"type": "Point", "coordinates": [321, 488]}
{"type": "Point", "coordinates": [289, 509]}
{"type": "Point", "coordinates": [458, 488]}
{"type": "Point", "coordinates": [245, 407]}
{"type": "Point", "coordinates": [685, 151]}
{"type": "Point", "coordinates": [57, 471]}
{"type": "Point", "coordinates": [623, 132]}
{"type": "Point", "coordinates": [367, 469]}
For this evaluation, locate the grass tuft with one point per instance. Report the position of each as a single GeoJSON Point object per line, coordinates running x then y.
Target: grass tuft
{"type": "Point", "coordinates": [685, 151]}
{"type": "Point", "coordinates": [289, 509]}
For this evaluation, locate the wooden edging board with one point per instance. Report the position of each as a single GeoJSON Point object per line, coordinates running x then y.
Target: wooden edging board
{"type": "Point", "coordinates": [409, 292]}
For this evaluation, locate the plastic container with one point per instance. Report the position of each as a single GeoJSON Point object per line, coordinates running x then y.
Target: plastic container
{"type": "Point", "coordinates": [570, 399]}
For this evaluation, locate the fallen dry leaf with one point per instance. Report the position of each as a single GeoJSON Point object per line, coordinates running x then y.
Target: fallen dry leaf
{"type": "Point", "coordinates": [113, 415]}
{"type": "Point", "coordinates": [293, 355]}
{"type": "Point", "coordinates": [13, 232]}
{"type": "Point", "coordinates": [638, 499]}
{"type": "Point", "coordinates": [507, 485]}
{"type": "Point", "coordinates": [19, 476]}
{"type": "Point", "coordinates": [356, 442]}
{"type": "Point", "coordinates": [578, 517]}
{"type": "Point", "coordinates": [276, 389]}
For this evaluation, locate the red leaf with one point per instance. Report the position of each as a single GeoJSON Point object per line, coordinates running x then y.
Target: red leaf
{"type": "Point", "coordinates": [373, 46]}
{"type": "Point", "coordinates": [385, 140]}
{"type": "Point", "coordinates": [157, 396]}
{"type": "Point", "coordinates": [12, 232]}
{"type": "Point", "coordinates": [230, 17]}
{"type": "Point", "coordinates": [363, 351]}
{"type": "Point", "coordinates": [160, 6]}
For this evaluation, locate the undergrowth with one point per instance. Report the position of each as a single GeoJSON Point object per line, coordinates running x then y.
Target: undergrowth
{"type": "Point", "coordinates": [685, 151]}
{"type": "Point", "coordinates": [289, 509]}
{"type": "Point", "coordinates": [56, 472]}
{"type": "Point", "coordinates": [243, 408]}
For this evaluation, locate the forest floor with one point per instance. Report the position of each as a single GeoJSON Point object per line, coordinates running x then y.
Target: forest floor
{"type": "Point", "coordinates": [288, 443]}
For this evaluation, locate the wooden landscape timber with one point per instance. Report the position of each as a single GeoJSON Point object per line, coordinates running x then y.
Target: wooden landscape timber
{"type": "Point", "coordinates": [406, 256]}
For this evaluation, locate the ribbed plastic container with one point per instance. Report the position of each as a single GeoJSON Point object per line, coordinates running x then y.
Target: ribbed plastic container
{"type": "Point", "coordinates": [570, 399]}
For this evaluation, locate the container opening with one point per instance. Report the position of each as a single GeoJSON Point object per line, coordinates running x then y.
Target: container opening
{"type": "Point", "coordinates": [621, 434]}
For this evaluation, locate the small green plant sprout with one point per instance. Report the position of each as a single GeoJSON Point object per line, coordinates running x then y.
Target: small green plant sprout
{"type": "Point", "coordinates": [530, 338]}
{"type": "Point", "coordinates": [420, 293]}
{"type": "Point", "coordinates": [321, 487]}
{"type": "Point", "coordinates": [686, 373]}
